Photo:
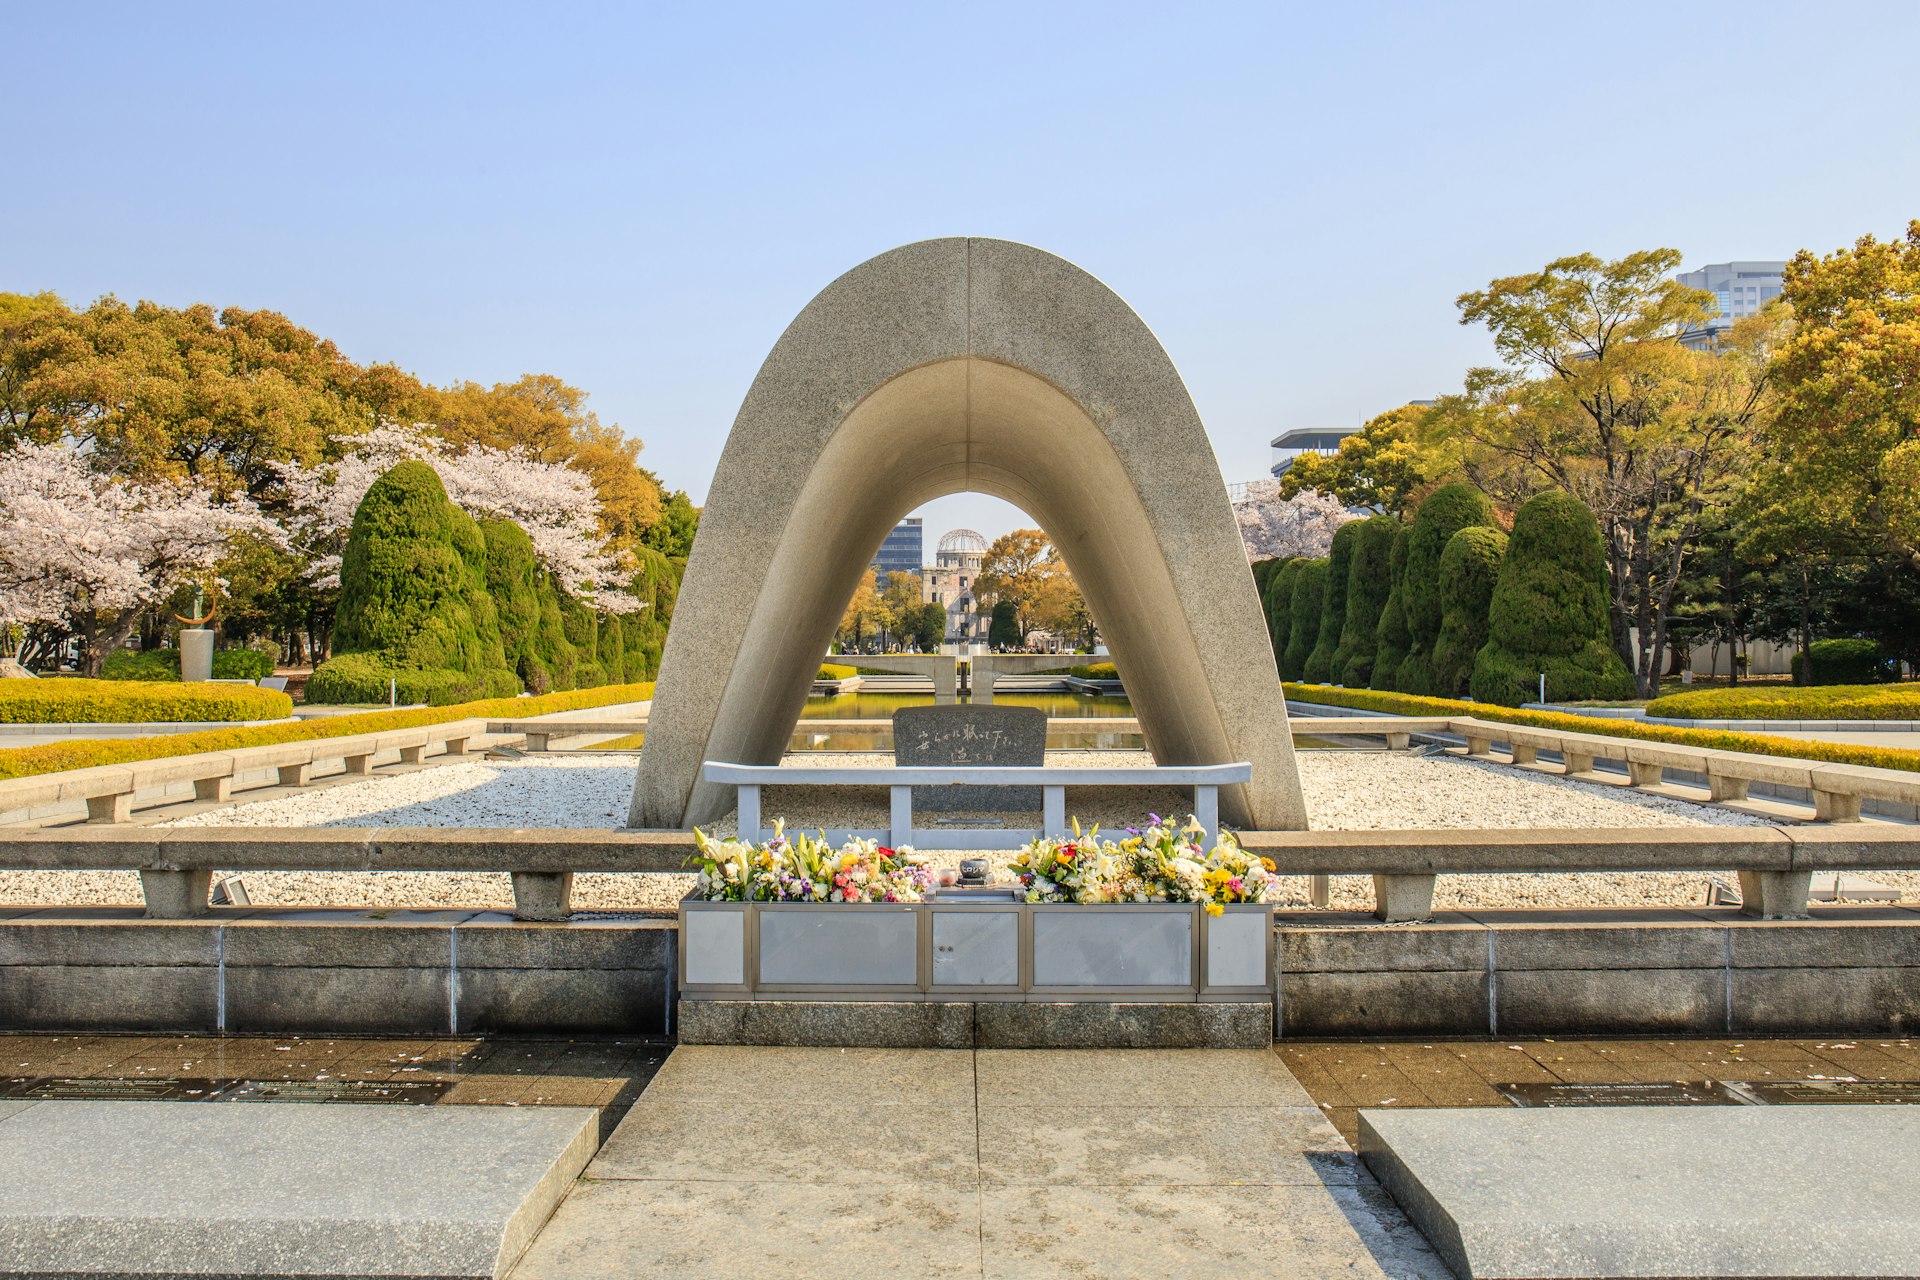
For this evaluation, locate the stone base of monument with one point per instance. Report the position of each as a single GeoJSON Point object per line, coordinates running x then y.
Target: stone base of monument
{"type": "Point", "coordinates": [962, 1024]}
{"type": "Point", "coordinates": [1657, 1191]}
{"type": "Point", "coordinates": [123, 1189]}
{"type": "Point", "coordinates": [973, 968]}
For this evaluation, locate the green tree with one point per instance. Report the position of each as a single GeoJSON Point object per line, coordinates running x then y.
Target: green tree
{"type": "Point", "coordinates": [1443, 513]}
{"type": "Point", "coordinates": [1549, 611]}
{"type": "Point", "coordinates": [672, 535]}
{"type": "Point", "coordinates": [1369, 581]}
{"type": "Point", "coordinates": [1597, 397]}
{"type": "Point", "coordinates": [1003, 627]}
{"type": "Point", "coordinates": [413, 600]}
{"type": "Point", "coordinates": [862, 614]}
{"type": "Point", "coordinates": [1391, 638]}
{"type": "Point", "coordinates": [1382, 465]}
{"type": "Point", "coordinates": [1843, 449]}
{"type": "Point", "coordinates": [931, 630]}
{"type": "Point", "coordinates": [1303, 627]}
{"type": "Point", "coordinates": [1468, 570]}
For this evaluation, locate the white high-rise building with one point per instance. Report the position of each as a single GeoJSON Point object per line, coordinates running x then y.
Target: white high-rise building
{"type": "Point", "coordinates": [1739, 288]}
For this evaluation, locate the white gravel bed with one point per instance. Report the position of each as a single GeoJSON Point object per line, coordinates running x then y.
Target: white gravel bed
{"type": "Point", "coordinates": [1345, 790]}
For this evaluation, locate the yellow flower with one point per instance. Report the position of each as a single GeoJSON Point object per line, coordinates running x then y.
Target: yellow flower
{"type": "Point", "coordinates": [1215, 909]}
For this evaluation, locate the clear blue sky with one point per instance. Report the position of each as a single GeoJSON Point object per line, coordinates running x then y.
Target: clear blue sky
{"type": "Point", "coordinates": [639, 198]}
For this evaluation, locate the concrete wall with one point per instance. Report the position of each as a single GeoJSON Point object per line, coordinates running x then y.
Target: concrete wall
{"type": "Point", "coordinates": [333, 972]}
{"type": "Point", "coordinates": [1671, 971]}
{"type": "Point", "coordinates": [1697, 972]}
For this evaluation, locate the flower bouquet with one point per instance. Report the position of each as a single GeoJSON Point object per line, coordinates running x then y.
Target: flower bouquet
{"type": "Point", "coordinates": [804, 868]}
{"type": "Point", "coordinates": [1163, 863]}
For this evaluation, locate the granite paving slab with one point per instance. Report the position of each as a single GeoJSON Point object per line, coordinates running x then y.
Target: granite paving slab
{"type": "Point", "coordinates": [292, 1189]}
{"type": "Point", "coordinates": [1124, 1146]}
{"type": "Point", "coordinates": [1105, 1163]}
{"type": "Point", "coordinates": [1799, 1191]}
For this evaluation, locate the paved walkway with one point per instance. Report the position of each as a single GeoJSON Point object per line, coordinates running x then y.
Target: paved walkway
{"type": "Point", "coordinates": [925, 1163]}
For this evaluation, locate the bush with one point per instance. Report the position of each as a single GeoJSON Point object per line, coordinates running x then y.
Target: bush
{"type": "Point", "coordinates": [79, 701]}
{"type": "Point", "coordinates": [1003, 627]}
{"type": "Point", "coordinates": [833, 671]}
{"type": "Point", "coordinates": [1443, 513]}
{"type": "Point", "coordinates": [1277, 604]}
{"type": "Point", "coordinates": [1827, 702]}
{"type": "Point", "coordinates": [1095, 671]}
{"type": "Point", "coordinates": [1549, 611]}
{"type": "Point", "coordinates": [1718, 739]}
{"type": "Point", "coordinates": [413, 599]}
{"type": "Point", "coordinates": [1333, 605]}
{"type": "Point", "coordinates": [1391, 640]}
{"type": "Point", "coordinates": [1303, 627]}
{"type": "Point", "coordinates": [359, 679]}
{"type": "Point", "coordinates": [1844, 662]}
{"type": "Point", "coordinates": [1369, 582]}
{"type": "Point", "coordinates": [164, 664]}
{"type": "Point", "coordinates": [56, 757]}
{"type": "Point", "coordinates": [1468, 570]}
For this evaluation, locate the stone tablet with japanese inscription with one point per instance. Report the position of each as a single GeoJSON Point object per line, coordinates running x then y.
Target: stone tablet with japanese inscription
{"type": "Point", "coordinates": [967, 736]}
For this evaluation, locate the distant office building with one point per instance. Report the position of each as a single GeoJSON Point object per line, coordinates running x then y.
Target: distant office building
{"type": "Point", "coordinates": [948, 582]}
{"type": "Point", "coordinates": [902, 552]}
{"type": "Point", "coordinates": [1291, 444]}
{"type": "Point", "coordinates": [1739, 288]}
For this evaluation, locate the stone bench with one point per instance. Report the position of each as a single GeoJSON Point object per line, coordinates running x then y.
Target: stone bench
{"type": "Point", "coordinates": [176, 864]}
{"type": "Point", "coordinates": [1775, 864]}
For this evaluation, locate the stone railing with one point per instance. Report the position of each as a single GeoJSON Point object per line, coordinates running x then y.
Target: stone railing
{"type": "Point", "coordinates": [1206, 781]}
{"type": "Point", "coordinates": [109, 790]}
{"type": "Point", "coordinates": [1837, 789]}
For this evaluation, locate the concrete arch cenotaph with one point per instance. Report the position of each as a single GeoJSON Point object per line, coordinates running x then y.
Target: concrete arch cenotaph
{"type": "Point", "coordinates": [956, 365]}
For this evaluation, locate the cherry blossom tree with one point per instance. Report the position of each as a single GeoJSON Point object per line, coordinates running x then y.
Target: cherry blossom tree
{"type": "Point", "coordinates": [1273, 527]}
{"type": "Point", "coordinates": [555, 504]}
{"type": "Point", "coordinates": [87, 553]}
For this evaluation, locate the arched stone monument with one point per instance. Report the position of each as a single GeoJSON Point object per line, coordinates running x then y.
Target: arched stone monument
{"type": "Point", "coordinates": [941, 367]}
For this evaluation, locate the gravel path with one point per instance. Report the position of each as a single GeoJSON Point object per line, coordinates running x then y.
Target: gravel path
{"type": "Point", "coordinates": [1345, 790]}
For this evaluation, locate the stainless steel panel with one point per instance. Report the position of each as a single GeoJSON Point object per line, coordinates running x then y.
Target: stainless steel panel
{"type": "Point", "coordinates": [716, 947]}
{"type": "Point", "coordinates": [976, 948]}
{"type": "Point", "coordinates": [839, 946]}
{"type": "Point", "coordinates": [1113, 948]}
{"type": "Point", "coordinates": [1237, 949]}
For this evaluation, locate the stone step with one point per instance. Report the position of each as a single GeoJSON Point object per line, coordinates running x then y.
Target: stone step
{"type": "Point", "coordinates": [1702, 1192]}
{"type": "Point", "coordinates": [267, 1190]}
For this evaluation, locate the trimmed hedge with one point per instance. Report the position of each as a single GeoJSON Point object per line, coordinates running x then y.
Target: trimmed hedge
{"type": "Point", "coordinates": [56, 757]}
{"type": "Point", "coordinates": [1844, 662]}
{"type": "Point", "coordinates": [1825, 702]}
{"type": "Point", "coordinates": [1443, 513]}
{"type": "Point", "coordinates": [164, 664]}
{"type": "Point", "coordinates": [79, 701]}
{"type": "Point", "coordinates": [1095, 671]}
{"type": "Point", "coordinates": [1369, 582]}
{"type": "Point", "coordinates": [834, 671]}
{"type": "Point", "coordinates": [414, 604]}
{"type": "Point", "coordinates": [1320, 665]}
{"type": "Point", "coordinates": [1303, 629]}
{"type": "Point", "coordinates": [1549, 611]}
{"type": "Point", "coordinates": [1723, 740]}
{"type": "Point", "coordinates": [1277, 604]}
{"type": "Point", "coordinates": [1468, 571]}
{"type": "Point", "coordinates": [1391, 637]}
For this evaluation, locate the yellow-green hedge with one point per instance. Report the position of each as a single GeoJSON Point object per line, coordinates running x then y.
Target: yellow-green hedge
{"type": "Point", "coordinates": [834, 671]}
{"type": "Point", "coordinates": [130, 702]}
{"type": "Point", "coordinates": [21, 762]}
{"type": "Point", "coordinates": [1787, 702]}
{"type": "Point", "coordinates": [1718, 739]}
